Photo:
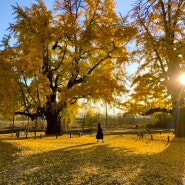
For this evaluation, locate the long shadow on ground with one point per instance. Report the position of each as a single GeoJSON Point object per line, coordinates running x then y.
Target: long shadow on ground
{"type": "Point", "coordinates": [98, 163]}
{"type": "Point", "coordinates": [7, 152]}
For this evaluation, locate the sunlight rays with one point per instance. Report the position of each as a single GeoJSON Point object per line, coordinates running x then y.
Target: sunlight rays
{"type": "Point", "coordinates": [182, 79]}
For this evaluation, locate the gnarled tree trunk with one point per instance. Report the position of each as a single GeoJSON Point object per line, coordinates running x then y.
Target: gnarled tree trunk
{"type": "Point", "coordinates": [53, 123]}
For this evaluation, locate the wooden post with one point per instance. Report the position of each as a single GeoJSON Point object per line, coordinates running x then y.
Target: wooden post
{"type": "Point", "coordinates": [168, 138]}
{"type": "Point", "coordinates": [142, 134]}
{"type": "Point", "coordinates": [26, 135]}
{"type": "Point", "coordinates": [151, 137]}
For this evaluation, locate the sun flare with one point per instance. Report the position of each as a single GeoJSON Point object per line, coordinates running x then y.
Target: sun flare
{"type": "Point", "coordinates": [182, 79]}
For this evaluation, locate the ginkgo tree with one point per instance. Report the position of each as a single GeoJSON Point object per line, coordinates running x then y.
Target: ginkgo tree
{"type": "Point", "coordinates": [159, 50]}
{"type": "Point", "coordinates": [75, 51]}
{"type": "Point", "coordinates": [9, 91]}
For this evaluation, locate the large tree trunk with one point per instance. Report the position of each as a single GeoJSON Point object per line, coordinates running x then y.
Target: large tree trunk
{"type": "Point", "coordinates": [179, 122]}
{"type": "Point", "coordinates": [53, 123]}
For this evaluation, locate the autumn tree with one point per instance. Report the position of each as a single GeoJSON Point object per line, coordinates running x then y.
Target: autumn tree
{"type": "Point", "coordinates": [9, 91]}
{"type": "Point", "coordinates": [76, 51]}
{"type": "Point", "coordinates": [159, 50]}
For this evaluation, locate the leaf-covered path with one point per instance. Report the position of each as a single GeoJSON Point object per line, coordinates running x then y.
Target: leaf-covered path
{"type": "Point", "coordinates": [121, 159]}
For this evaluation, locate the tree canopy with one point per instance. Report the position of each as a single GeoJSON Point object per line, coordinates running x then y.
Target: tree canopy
{"type": "Point", "coordinates": [75, 51]}
{"type": "Point", "coordinates": [159, 50]}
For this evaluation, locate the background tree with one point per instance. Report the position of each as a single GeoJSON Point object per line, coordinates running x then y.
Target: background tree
{"type": "Point", "coordinates": [78, 51]}
{"type": "Point", "coordinates": [160, 52]}
{"type": "Point", "coordinates": [9, 91]}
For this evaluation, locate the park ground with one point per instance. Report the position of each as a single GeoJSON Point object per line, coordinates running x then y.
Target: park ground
{"type": "Point", "coordinates": [125, 159]}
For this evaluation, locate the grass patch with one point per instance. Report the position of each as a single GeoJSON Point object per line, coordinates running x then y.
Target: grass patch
{"type": "Point", "coordinates": [121, 159]}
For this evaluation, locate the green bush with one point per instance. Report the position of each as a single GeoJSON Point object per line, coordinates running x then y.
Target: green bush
{"type": "Point", "coordinates": [161, 120]}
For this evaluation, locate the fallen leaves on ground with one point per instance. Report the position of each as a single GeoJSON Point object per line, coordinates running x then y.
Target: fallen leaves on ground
{"type": "Point", "coordinates": [121, 159]}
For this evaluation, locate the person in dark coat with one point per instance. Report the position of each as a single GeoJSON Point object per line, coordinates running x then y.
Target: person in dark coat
{"type": "Point", "coordinates": [99, 134]}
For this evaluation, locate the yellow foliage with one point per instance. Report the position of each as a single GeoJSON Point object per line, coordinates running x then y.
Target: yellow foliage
{"type": "Point", "coordinates": [158, 49]}
{"type": "Point", "coordinates": [69, 113]}
{"type": "Point", "coordinates": [71, 53]}
{"type": "Point", "coordinates": [121, 159]}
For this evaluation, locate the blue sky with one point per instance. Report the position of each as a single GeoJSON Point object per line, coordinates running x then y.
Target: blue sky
{"type": "Point", "coordinates": [6, 13]}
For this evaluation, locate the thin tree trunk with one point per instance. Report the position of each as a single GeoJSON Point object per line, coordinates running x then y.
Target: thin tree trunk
{"type": "Point", "coordinates": [13, 123]}
{"type": "Point", "coordinates": [28, 125]}
{"type": "Point", "coordinates": [35, 132]}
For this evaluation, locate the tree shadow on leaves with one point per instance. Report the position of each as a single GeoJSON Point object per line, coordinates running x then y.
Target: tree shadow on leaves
{"type": "Point", "coordinates": [8, 156]}
{"type": "Point", "coordinates": [92, 163]}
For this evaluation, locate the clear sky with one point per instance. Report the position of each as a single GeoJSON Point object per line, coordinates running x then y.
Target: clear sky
{"type": "Point", "coordinates": [6, 12]}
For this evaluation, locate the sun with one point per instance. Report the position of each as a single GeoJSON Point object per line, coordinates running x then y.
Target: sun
{"type": "Point", "coordinates": [182, 79]}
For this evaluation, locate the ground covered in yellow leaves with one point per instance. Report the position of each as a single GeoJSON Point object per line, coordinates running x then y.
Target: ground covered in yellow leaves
{"type": "Point", "coordinates": [121, 159]}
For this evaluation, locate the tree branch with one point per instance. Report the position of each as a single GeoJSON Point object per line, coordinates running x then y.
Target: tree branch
{"type": "Point", "coordinates": [153, 110]}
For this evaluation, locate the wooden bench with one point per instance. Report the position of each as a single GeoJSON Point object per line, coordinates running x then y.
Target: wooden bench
{"type": "Point", "coordinates": [19, 133]}
{"type": "Point", "coordinates": [75, 132]}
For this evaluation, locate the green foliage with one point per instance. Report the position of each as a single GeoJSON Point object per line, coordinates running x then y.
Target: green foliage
{"type": "Point", "coordinates": [161, 120]}
{"type": "Point", "coordinates": [92, 120]}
